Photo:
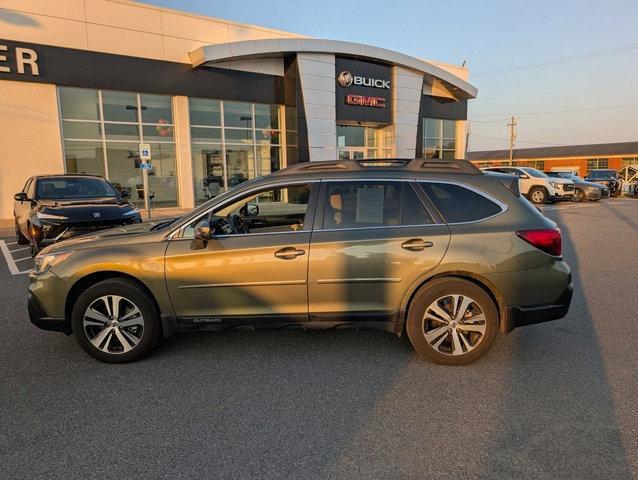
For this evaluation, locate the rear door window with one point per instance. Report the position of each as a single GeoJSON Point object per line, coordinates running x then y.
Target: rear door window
{"type": "Point", "coordinates": [459, 204]}
{"type": "Point", "coordinates": [362, 204]}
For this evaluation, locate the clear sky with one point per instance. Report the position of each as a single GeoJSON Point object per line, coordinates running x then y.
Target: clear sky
{"type": "Point", "coordinates": [490, 34]}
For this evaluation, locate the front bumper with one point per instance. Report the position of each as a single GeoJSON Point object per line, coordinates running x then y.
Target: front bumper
{"type": "Point", "coordinates": [41, 319]}
{"type": "Point", "coordinates": [594, 194]}
{"type": "Point", "coordinates": [522, 316]}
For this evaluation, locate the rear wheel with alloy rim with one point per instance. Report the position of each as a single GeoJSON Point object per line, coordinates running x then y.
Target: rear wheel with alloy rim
{"type": "Point", "coordinates": [452, 321]}
{"type": "Point", "coordinates": [115, 321]}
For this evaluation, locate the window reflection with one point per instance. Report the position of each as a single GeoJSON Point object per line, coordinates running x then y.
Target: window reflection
{"type": "Point", "coordinates": [247, 146]}
{"type": "Point", "coordinates": [87, 151]}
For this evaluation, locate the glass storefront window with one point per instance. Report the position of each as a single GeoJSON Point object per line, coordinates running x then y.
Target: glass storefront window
{"type": "Point", "coordinates": [84, 157]}
{"type": "Point", "coordinates": [238, 114]}
{"type": "Point", "coordinates": [122, 131]}
{"type": "Point", "coordinates": [205, 134]}
{"type": "Point", "coordinates": [267, 116]}
{"type": "Point", "coordinates": [205, 112]}
{"type": "Point", "coordinates": [236, 135]}
{"type": "Point", "coordinates": [240, 164]}
{"type": "Point", "coordinates": [79, 104]}
{"type": "Point", "coordinates": [81, 130]}
{"type": "Point", "coordinates": [208, 172]}
{"type": "Point", "coordinates": [439, 138]}
{"type": "Point", "coordinates": [116, 155]}
{"type": "Point", "coordinates": [156, 109]}
{"type": "Point", "coordinates": [124, 171]}
{"type": "Point", "coordinates": [245, 146]}
{"type": "Point", "coordinates": [119, 106]}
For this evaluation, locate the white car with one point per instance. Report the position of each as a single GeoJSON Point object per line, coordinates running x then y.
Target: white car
{"type": "Point", "coordinates": [537, 186]}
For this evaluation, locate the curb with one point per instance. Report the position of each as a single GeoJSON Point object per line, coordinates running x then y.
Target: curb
{"type": "Point", "coordinates": [6, 232]}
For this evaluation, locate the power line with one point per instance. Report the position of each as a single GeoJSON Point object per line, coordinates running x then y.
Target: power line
{"type": "Point", "coordinates": [558, 60]}
{"type": "Point", "coordinates": [551, 112]}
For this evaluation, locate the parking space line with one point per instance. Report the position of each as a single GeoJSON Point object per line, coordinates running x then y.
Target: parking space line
{"type": "Point", "coordinates": [11, 243]}
{"type": "Point", "coordinates": [24, 258]}
{"type": "Point", "coordinates": [19, 249]}
{"type": "Point", "coordinates": [13, 267]}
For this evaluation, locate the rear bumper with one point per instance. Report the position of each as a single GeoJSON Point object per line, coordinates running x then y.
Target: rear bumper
{"type": "Point", "coordinates": [41, 319]}
{"type": "Point", "coordinates": [522, 316]}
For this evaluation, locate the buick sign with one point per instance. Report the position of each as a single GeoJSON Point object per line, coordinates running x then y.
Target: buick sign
{"type": "Point", "coordinates": [345, 79]}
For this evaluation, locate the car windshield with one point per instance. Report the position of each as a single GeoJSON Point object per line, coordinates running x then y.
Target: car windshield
{"type": "Point", "coordinates": [534, 173]}
{"type": "Point", "coordinates": [569, 176]}
{"type": "Point", "coordinates": [601, 174]}
{"type": "Point", "coordinates": [61, 188]}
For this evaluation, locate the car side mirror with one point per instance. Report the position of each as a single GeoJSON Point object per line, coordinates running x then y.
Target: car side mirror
{"type": "Point", "coordinates": [125, 193]}
{"type": "Point", "coordinates": [21, 197]}
{"type": "Point", "coordinates": [203, 233]}
{"type": "Point", "coordinates": [524, 176]}
{"type": "Point", "coordinates": [249, 210]}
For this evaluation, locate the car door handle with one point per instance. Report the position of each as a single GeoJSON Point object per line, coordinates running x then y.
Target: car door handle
{"type": "Point", "coordinates": [416, 244]}
{"type": "Point", "coordinates": [289, 253]}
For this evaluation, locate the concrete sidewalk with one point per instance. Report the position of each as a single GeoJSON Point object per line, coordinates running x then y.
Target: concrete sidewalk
{"type": "Point", "coordinates": [7, 227]}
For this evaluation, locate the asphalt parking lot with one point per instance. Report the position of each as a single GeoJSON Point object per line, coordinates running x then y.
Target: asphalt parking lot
{"type": "Point", "coordinates": [556, 400]}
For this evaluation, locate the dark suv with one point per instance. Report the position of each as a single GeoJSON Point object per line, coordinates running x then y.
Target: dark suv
{"type": "Point", "coordinates": [436, 249]}
{"type": "Point", "coordinates": [52, 208]}
{"type": "Point", "coordinates": [606, 177]}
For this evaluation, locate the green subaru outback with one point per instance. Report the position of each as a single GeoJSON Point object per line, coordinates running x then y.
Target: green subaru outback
{"type": "Point", "coordinates": [435, 248]}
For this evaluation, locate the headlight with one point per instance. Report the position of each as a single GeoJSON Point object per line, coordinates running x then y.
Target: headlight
{"type": "Point", "coordinates": [130, 213]}
{"type": "Point", "coordinates": [555, 184]}
{"type": "Point", "coordinates": [43, 262]}
{"type": "Point", "coordinates": [49, 216]}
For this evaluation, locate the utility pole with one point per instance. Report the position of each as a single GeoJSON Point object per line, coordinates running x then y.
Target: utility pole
{"type": "Point", "coordinates": [512, 124]}
{"type": "Point", "coordinates": [467, 139]}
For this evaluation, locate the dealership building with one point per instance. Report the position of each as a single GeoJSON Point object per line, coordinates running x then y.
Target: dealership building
{"type": "Point", "coordinates": [577, 158]}
{"type": "Point", "coordinates": [83, 83]}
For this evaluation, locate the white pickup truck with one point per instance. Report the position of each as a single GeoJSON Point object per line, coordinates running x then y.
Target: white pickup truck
{"type": "Point", "coordinates": [536, 186]}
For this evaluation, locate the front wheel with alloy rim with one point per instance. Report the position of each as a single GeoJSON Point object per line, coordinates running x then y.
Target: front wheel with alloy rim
{"type": "Point", "coordinates": [115, 321]}
{"type": "Point", "coordinates": [538, 195]}
{"type": "Point", "coordinates": [452, 321]}
{"type": "Point", "coordinates": [578, 196]}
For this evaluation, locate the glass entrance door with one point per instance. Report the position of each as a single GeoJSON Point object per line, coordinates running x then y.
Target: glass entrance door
{"type": "Point", "coordinates": [356, 142]}
{"type": "Point", "coordinates": [353, 154]}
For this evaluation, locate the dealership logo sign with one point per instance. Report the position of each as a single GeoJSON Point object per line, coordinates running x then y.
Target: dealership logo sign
{"type": "Point", "coordinates": [345, 79]}
{"type": "Point", "coordinates": [25, 59]}
{"type": "Point", "coordinates": [365, 101]}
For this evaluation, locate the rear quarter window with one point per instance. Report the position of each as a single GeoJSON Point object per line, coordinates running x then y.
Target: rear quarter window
{"type": "Point", "coordinates": [458, 204]}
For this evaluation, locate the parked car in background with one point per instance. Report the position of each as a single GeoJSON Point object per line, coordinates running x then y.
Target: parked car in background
{"type": "Point", "coordinates": [433, 248]}
{"type": "Point", "coordinates": [537, 186]}
{"type": "Point", "coordinates": [583, 190]}
{"type": "Point", "coordinates": [51, 208]}
{"type": "Point", "coordinates": [606, 177]}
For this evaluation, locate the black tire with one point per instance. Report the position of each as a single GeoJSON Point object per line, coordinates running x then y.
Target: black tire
{"type": "Point", "coordinates": [134, 295]}
{"type": "Point", "coordinates": [578, 196]}
{"type": "Point", "coordinates": [538, 195]}
{"type": "Point", "coordinates": [416, 322]}
{"type": "Point", "coordinates": [20, 238]}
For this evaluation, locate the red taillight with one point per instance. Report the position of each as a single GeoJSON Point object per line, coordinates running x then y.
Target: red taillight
{"type": "Point", "coordinates": [546, 239]}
